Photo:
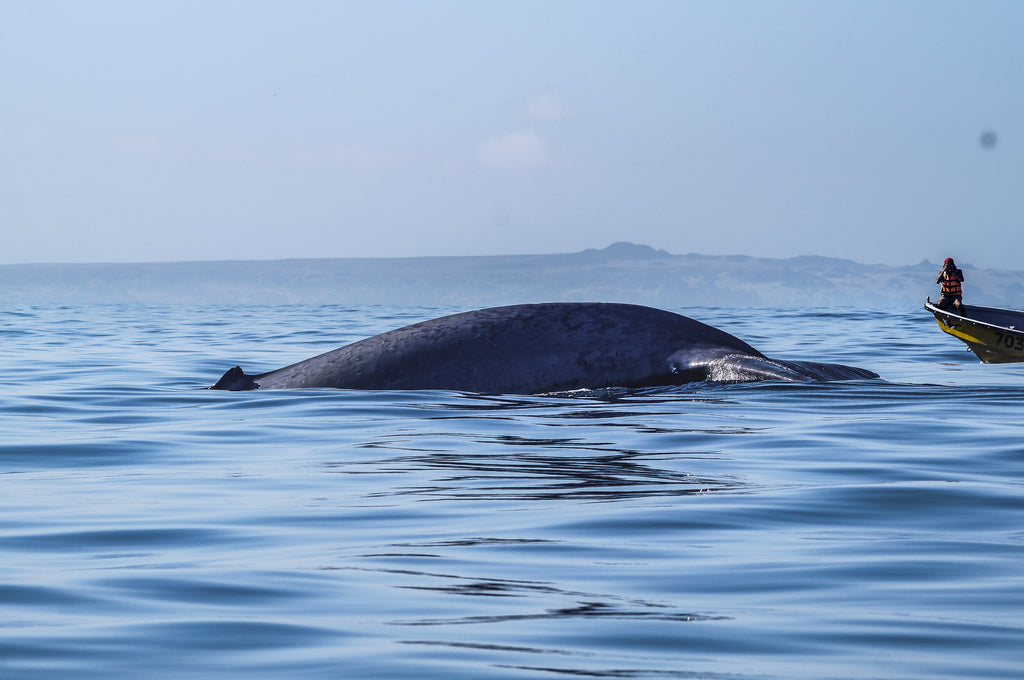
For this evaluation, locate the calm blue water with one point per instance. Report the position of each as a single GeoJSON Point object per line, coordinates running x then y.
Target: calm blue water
{"type": "Point", "coordinates": [152, 529]}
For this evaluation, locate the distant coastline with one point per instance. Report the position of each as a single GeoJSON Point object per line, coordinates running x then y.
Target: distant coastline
{"type": "Point", "coordinates": [622, 272]}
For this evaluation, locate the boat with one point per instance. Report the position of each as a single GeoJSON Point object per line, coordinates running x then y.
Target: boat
{"type": "Point", "coordinates": [995, 335]}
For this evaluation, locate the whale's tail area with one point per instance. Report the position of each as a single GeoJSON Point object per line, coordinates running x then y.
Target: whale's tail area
{"type": "Point", "coordinates": [723, 364]}
{"type": "Point", "coordinates": [813, 370]}
{"type": "Point", "coordinates": [235, 380]}
{"type": "Point", "coordinates": [746, 368]}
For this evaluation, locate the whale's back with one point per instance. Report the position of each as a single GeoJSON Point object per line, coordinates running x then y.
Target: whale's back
{"type": "Point", "coordinates": [530, 349]}
{"type": "Point", "coordinates": [516, 349]}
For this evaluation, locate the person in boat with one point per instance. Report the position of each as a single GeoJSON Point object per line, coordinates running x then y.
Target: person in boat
{"type": "Point", "coordinates": [950, 279]}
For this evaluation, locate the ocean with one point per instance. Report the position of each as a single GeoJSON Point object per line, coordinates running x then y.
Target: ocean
{"type": "Point", "coordinates": [153, 529]}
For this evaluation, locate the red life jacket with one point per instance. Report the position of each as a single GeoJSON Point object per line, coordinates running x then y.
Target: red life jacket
{"type": "Point", "coordinates": [950, 285]}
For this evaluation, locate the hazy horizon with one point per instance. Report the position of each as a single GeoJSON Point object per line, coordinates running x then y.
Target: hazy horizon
{"type": "Point", "coordinates": [622, 272]}
{"type": "Point", "coordinates": [599, 249]}
{"type": "Point", "coordinates": [877, 132]}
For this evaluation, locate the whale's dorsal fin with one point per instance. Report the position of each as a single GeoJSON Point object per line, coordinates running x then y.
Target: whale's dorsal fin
{"type": "Point", "coordinates": [235, 380]}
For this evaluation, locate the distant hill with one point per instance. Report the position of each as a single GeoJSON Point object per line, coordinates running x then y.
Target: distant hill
{"type": "Point", "coordinates": [622, 272]}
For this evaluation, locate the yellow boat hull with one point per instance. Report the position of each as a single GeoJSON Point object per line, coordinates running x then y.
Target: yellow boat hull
{"type": "Point", "coordinates": [989, 332]}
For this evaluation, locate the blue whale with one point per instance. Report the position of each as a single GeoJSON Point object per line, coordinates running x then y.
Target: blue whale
{"type": "Point", "coordinates": [540, 348]}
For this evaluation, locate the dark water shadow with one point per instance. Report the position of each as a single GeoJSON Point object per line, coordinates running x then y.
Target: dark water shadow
{"type": "Point", "coordinates": [583, 610]}
{"type": "Point", "coordinates": [545, 475]}
{"type": "Point", "coordinates": [611, 449]}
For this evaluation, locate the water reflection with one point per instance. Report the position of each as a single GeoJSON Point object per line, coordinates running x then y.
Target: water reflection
{"type": "Point", "coordinates": [541, 476]}
{"type": "Point", "coordinates": [607, 401]}
{"type": "Point", "coordinates": [573, 604]}
{"type": "Point", "coordinates": [596, 452]}
{"type": "Point", "coordinates": [583, 610]}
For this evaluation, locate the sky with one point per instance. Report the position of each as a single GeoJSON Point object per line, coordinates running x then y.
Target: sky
{"type": "Point", "coordinates": [876, 131]}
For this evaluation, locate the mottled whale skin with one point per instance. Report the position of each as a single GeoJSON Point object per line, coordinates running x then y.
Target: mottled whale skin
{"type": "Point", "coordinates": [540, 348]}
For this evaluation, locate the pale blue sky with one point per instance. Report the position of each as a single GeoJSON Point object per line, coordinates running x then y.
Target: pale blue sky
{"type": "Point", "coordinates": [153, 131]}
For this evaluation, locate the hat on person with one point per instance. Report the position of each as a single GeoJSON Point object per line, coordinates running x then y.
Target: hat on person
{"type": "Point", "coordinates": [949, 260]}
